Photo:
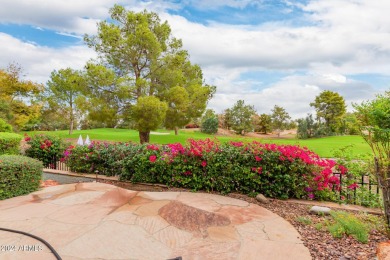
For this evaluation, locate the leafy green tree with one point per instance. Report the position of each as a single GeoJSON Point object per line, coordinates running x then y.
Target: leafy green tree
{"type": "Point", "coordinates": [209, 124]}
{"type": "Point", "coordinates": [148, 114]}
{"type": "Point", "coordinates": [240, 117]}
{"type": "Point", "coordinates": [226, 119]}
{"type": "Point", "coordinates": [106, 97]}
{"type": "Point", "coordinates": [330, 108]}
{"type": "Point", "coordinates": [148, 61]}
{"type": "Point", "coordinates": [14, 93]}
{"type": "Point", "coordinates": [209, 113]}
{"type": "Point", "coordinates": [374, 121]}
{"type": "Point", "coordinates": [52, 118]}
{"type": "Point", "coordinates": [280, 119]}
{"type": "Point", "coordinates": [306, 127]}
{"type": "Point", "coordinates": [4, 127]}
{"type": "Point", "coordinates": [262, 123]}
{"type": "Point", "coordinates": [64, 88]}
{"type": "Point", "coordinates": [349, 124]}
{"type": "Point", "coordinates": [178, 106]}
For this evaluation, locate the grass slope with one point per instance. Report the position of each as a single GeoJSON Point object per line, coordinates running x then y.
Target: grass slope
{"type": "Point", "coordinates": [322, 146]}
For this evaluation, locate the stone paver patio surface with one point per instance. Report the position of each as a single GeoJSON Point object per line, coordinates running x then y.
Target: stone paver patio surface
{"type": "Point", "coordinates": [101, 221]}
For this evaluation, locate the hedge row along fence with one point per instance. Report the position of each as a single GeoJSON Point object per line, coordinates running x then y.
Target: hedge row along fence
{"type": "Point", "coordinates": [9, 143]}
{"type": "Point", "coordinates": [278, 171]}
{"type": "Point", "coordinates": [19, 175]}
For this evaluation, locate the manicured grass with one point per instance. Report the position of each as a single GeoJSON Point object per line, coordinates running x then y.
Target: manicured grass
{"type": "Point", "coordinates": [322, 146]}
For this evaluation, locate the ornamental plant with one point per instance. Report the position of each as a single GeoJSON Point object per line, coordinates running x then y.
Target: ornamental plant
{"type": "Point", "coordinates": [19, 175]}
{"type": "Point", "coordinates": [45, 148]}
{"type": "Point", "coordinates": [279, 171]}
{"type": "Point", "coordinates": [102, 157]}
{"type": "Point", "coordinates": [356, 170]}
{"type": "Point", "coordinates": [10, 143]}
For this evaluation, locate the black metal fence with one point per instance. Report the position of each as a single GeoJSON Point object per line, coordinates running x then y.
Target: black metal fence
{"type": "Point", "coordinates": [367, 188]}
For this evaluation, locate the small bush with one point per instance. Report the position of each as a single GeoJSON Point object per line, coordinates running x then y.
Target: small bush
{"type": "Point", "coordinates": [346, 223]}
{"type": "Point", "coordinates": [45, 148]}
{"type": "Point", "coordinates": [303, 220]}
{"type": "Point", "coordinates": [19, 175]}
{"type": "Point", "coordinates": [10, 143]}
{"type": "Point", "coordinates": [5, 127]}
{"type": "Point", "coordinates": [210, 125]}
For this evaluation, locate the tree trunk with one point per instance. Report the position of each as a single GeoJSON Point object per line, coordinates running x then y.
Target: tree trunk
{"type": "Point", "coordinates": [144, 137]}
{"type": "Point", "coordinates": [176, 130]}
{"type": "Point", "coordinates": [71, 127]}
{"type": "Point", "coordinates": [384, 184]}
{"type": "Point", "coordinates": [71, 117]}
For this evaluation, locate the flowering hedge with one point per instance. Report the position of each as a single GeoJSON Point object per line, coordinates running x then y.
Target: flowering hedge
{"type": "Point", "coordinates": [45, 148]}
{"type": "Point", "coordinates": [280, 171]}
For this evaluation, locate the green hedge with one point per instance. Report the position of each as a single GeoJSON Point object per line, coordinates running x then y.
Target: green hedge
{"type": "Point", "coordinates": [278, 171]}
{"type": "Point", "coordinates": [9, 143]}
{"type": "Point", "coordinates": [19, 175]}
{"type": "Point", "coordinates": [5, 127]}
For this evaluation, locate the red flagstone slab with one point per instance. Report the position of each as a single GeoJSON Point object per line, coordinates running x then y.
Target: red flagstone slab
{"type": "Point", "coordinates": [190, 218]}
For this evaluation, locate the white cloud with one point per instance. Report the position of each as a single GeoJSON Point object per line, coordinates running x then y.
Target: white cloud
{"type": "Point", "coordinates": [38, 61]}
{"type": "Point", "coordinates": [70, 16]}
{"type": "Point", "coordinates": [344, 37]}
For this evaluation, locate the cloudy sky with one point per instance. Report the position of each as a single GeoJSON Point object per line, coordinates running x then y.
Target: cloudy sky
{"type": "Point", "coordinates": [267, 52]}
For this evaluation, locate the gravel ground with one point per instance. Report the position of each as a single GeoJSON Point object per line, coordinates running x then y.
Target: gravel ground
{"type": "Point", "coordinates": [320, 242]}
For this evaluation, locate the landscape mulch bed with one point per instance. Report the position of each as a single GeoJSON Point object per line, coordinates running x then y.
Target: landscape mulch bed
{"type": "Point", "coordinates": [321, 244]}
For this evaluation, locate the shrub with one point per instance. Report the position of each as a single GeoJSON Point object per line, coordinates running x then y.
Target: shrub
{"type": "Point", "coordinates": [5, 127]}
{"type": "Point", "coordinates": [210, 125]}
{"type": "Point", "coordinates": [103, 157]}
{"type": "Point", "coordinates": [9, 143]}
{"type": "Point", "coordinates": [281, 171]}
{"type": "Point", "coordinates": [19, 175]}
{"type": "Point", "coordinates": [45, 148]}
{"type": "Point", "coordinates": [346, 223]}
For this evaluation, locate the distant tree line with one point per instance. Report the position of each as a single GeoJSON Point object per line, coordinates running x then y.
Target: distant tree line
{"type": "Point", "coordinates": [143, 79]}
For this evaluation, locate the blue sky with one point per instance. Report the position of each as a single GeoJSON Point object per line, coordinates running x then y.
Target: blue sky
{"type": "Point", "coordinates": [267, 52]}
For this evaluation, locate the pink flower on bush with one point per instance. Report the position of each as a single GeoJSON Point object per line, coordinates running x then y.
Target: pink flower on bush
{"type": "Point", "coordinates": [27, 138]}
{"type": "Point", "coordinates": [258, 159]}
{"type": "Point", "coordinates": [152, 158]}
{"type": "Point", "coordinates": [343, 169]}
{"type": "Point", "coordinates": [353, 186]}
{"type": "Point", "coordinates": [152, 147]}
{"type": "Point", "coordinates": [187, 173]}
{"type": "Point", "coordinates": [204, 163]}
{"type": "Point", "coordinates": [236, 144]}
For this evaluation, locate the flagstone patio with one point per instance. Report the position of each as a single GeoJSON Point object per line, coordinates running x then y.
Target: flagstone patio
{"type": "Point", "coordinates": [101, 221]}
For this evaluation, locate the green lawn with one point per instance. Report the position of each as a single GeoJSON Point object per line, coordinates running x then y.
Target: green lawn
{"type": "Point", "coordinates": [322, 146]}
